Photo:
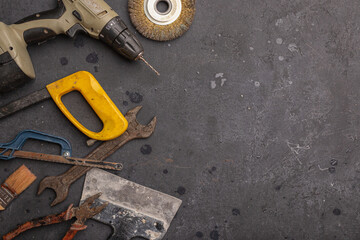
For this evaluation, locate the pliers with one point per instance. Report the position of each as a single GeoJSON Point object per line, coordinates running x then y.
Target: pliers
{"type": "Point", "coordinates": [82, 213]}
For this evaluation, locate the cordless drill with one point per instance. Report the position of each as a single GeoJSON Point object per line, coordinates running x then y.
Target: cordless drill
{"type": "Point", "coordinates": [93, 17]}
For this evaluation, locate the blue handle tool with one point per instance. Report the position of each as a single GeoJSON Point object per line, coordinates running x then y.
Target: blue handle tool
{"type": "Point", "coordinates": [21, 138]}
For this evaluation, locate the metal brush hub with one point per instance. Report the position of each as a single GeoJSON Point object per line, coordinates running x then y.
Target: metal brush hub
{"type": "Point", "coordinates": [168, 3]}
{"type": "Point", "coordinates": [162, 18]}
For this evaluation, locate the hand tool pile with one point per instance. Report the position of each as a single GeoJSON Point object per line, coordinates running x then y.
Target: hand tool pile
{"type": "Point", "coordinates": [131, 209]}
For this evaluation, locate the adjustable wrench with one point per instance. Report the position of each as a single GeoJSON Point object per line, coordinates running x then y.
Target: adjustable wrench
{"type": "Point", "coordinates": [61, 184]}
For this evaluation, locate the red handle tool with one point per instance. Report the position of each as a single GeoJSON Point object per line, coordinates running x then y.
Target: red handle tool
{"type": "Point", "coordinates": [48, 220]}
{"type": "Point", "coordinates": [82, 213]}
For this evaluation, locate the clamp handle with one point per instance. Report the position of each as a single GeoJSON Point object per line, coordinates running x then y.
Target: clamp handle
{"type": "Point", "coordinates": [114, 123]}
{"type": "Point", "coordinates": [21, 138]}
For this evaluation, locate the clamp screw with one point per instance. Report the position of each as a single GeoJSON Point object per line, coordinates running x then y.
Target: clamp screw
{"type": "Point", "coordinates": [66, 154]}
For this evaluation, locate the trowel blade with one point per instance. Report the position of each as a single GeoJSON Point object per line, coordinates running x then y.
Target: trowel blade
{"type": "Point", "coordinates": [133, 210]}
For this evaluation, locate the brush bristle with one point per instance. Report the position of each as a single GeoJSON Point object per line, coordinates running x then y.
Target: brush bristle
{"type": "Point", "coordinates": [21, 179]}
{"type": "Point", "coordinates": [161, 32]}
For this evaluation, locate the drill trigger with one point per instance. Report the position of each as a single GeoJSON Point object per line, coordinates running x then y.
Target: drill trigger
{"type": "Point", "coordinates": [77, 28]}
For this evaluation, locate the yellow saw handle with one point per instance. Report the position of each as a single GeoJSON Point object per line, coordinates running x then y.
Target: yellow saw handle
{"type": "Point", "coordinates": [114, 123]}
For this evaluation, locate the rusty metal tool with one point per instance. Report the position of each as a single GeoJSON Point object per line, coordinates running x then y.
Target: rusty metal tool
{"type": "Point", "coordinates": [134, 211]}
{"type": "Point", "coordinates": [13, 150]}
{"type": "Point", "coordinates": [81, 213]}
{"type": "Point", "coordinates": [61, 184]}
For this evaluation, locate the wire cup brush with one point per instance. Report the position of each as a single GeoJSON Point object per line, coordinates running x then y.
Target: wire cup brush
{"type": "Point", "coordinates": [165, 25]}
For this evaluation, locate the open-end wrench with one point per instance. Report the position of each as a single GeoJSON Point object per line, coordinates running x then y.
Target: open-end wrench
{"type": "Point", "coordinates": [61, 184]}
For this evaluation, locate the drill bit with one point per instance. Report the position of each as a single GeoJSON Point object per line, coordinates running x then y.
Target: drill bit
{"type": "Point", "coordinates": [152, 68]}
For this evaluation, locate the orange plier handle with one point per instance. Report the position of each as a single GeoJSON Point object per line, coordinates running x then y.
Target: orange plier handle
{"type": "Point", "coordinates": [73, 230]}
{"type": "Point", "coordinates": [48, 220]}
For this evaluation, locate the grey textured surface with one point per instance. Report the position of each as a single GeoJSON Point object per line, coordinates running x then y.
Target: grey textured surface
{"type": "Point", "coordinates": [254, 104]}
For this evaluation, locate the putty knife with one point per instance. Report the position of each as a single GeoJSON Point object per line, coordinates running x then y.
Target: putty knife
{"type": "Point", "coordinates": [133, 210]}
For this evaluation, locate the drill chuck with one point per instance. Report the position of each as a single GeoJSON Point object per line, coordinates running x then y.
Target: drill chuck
{"type": "Point", "coordinates": [118, 37]}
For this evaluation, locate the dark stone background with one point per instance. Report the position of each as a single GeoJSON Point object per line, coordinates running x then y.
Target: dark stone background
{"type": "Point", "coordinates": [258, 120]}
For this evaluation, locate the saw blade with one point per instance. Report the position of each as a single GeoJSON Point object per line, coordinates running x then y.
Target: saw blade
{"type": "Point", "coordinates": [61, 159]}
{"type": "Point", "coordinates": [162, 26]}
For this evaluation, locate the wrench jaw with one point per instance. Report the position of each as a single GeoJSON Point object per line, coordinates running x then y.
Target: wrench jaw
{"type": "Point", "coordinates": [131, 114]}
{"type": "Point", "coordinates": [148, 130]}
{"type": "Point", "coordinates": [53, 182]}
{"type": "Point", "coordinates": [136, 129]}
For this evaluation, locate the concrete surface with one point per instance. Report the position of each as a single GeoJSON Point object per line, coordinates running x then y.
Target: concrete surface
{"type": "Point", "coordinates": [258, 120]}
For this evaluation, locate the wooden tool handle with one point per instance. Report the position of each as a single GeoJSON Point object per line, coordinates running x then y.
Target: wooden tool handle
{"type": "Point", "coordinates": [52, 219]}
{"type": "Point", "coordinates": [24, 102]}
